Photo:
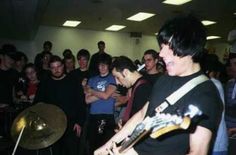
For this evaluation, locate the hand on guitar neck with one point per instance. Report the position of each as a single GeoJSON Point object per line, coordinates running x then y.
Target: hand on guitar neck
{"type": "Point", "coordinates": [155, 126]}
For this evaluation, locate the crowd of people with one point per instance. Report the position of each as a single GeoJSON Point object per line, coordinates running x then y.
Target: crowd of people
{"type": "Point", "coordinates": [106, 97]}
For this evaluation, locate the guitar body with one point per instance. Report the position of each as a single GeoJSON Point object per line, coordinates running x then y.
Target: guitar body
{"type": "Point", "coordinates": [158, 125]}
{"type": "Point", "coordinates": [184, 125]}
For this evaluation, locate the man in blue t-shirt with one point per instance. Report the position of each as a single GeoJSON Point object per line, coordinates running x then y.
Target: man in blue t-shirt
{"type": "Point", "coordinates": [99, 96]}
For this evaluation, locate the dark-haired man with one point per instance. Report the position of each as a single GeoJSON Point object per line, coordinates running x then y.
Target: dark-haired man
{"type": "Point", "coordinates": [181, 41]}
{"type": "Point", "coordinates": [47, 47]}
{"type": "Point", "coordinates": [93, 66]}
{"type": "Point", "coordinates": [126, 75]}
{"type": "Point", "coordinates": [62, 90]}
{"type": "Point", "coordinates": [99, 96]}
{"type": "Point", "coordinates": [82, 73]}
{"type": "Point", "coordinates": [69, 62]}
{"type": "Point", "coordinates": [150, 59]}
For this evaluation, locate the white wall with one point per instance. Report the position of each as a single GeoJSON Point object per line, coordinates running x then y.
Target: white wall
{"type": "Point", "coordinates": [75, 39]}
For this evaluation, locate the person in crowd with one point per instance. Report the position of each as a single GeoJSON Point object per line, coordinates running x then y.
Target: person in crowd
{"type": "Point", "coordinates": [212, 68]}
{"type": "Point", "coordinates": [8, 80]}
{"type": "Point", "coordinates": [82, 75]}
{"type": "Point", "coordinates": [94, 59]}
{"type": "Point", "coordinates": [126, 74]}
{"type": "Point", "coordinates": [47, 46]}
{"type": "Point", "coordinates": [64, 92]}
{"type": "Point", "coordinates": [21, 61]}
{"type": "Point", "coordinates": [30, 82]}
{"type": "Point", "coordinates": [69, 62]}
{"type": "Point", "coordinates": [99, 96]}
{"type": "Point", "coordinates": [181, 42]}
{"type": "Point", "coordinates": [230, 99]}
{"type": "Point", "coordinates": [232, 40]}
{"type": "Point", "coordinates": [43, 68]}
{"type": "Point", "coordinates": [150, 59]}
{"type": "Point", "coordinates": [38, 60]}
{"type": "Point", "coordinates": [66, 52]}
{"type": "Point", "coordinates": [8, 75]}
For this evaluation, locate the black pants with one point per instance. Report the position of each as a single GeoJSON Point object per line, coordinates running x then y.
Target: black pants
{"type": "Point", "coordinates": [100, 130]}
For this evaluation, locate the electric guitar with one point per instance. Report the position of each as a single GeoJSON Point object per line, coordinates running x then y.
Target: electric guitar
{"type": "Point", "coordinates": [158, 125]}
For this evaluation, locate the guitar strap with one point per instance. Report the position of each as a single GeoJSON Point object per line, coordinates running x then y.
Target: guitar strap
{"type": "Point", "coordinates": [176, 95]}
{"type": "Point", "coordinates": [130, 101]}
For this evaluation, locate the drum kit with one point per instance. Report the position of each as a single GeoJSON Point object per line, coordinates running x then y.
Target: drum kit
{"type": "Point", "coordinates": [38, 126]}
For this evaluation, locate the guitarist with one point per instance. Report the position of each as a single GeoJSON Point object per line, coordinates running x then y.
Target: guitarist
{"type": "Point", "coordinates": [181, 42]}
{"type": "Point", "coordinates": [140, 88]}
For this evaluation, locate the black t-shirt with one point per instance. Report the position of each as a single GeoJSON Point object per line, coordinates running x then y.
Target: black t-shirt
{"type": "Point", "coordinates": [80, 75]}
{"type": "Point", "coordinates": [205, 96]}
{"type": "Point", "coordinates": [152, 77]}
{"type": "Point", "coordinates": [8, 79]}
{"type": "Point", "coordinates": [141, 95]}
{"type": "Point", "coordinates": [66, 94]}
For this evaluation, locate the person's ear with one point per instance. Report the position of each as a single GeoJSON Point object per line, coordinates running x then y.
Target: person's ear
{"type": "Point", "coordinates": [125, 72]}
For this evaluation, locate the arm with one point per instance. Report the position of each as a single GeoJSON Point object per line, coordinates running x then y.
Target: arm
{"type": "Point", "coordinates": [200, 141]}
{"type": "Point", "coordinates": [120, 99]}
{"type": "Point", "coordinates": [124, 132]}
{"type": "Point", "coordinates": [90, 98]}
{"type": "Point", "coordinates": [106, 94]}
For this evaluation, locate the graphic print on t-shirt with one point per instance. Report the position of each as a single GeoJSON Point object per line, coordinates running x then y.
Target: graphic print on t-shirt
{"type": "Point", "coordinates": [101, 86]}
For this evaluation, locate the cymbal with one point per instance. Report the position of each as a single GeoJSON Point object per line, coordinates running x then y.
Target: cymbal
{"type": "Point", "coordinates": [44, 125]}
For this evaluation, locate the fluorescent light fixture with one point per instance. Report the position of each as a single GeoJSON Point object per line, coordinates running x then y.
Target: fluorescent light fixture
{"type": "Point", "coordinates": [208, 22]}
{"type": "Point", "coordinates": [140, 16]}
{"type": "Point", "coordinates": [71, 23]}
{"type": "Point", "coordinates": [176, 2]}
{"type": "Point", "coordinates": [115, 27]}
{"type": "Point", "coordinates": [235, 13]}
{"type": "Point", "coordinates": [213, 37]}
{"type": "Point", "coordinates": [156, 33]}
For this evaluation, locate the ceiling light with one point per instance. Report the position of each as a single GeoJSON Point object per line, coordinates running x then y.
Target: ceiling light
{"type": "Point", "coordinates": [213, 37]}
{"type": "Point", "coordinates": [71, 23]}
{"type": "Point", "coordinates": [115, 27]}
{"type": "Point", "coordinates": [156, 33]}
{"type": "Point", "coordinates": [235, 13]}
{"type": "Point", "coordinates": [140, 16]}
{"type": "Point", "coordinates": [176, 2]}
{"type": "Point", "coordinates": [208, 22]}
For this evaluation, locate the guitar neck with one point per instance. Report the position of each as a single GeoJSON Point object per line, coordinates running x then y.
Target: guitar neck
{"type": "Point", "coordinates": [127, 144]}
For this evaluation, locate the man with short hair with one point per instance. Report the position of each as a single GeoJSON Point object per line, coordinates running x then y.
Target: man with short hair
{"type": "Point", "coordinates": [63, 91]}
{"type": "Point", "coordinates": [126, 75]}
{"type": "Point", "coordinates": [181, 42]}
{"type": "Point", "coordinates": [93, 66]}
{"type": "Point", "coordinates": [99, 92]}
{"type": "Point", "coordinates": [47, 46]}
{"type": "Point", "coordinates": [150, 59]}
{"type": "Point", "coordinates": [69, 62]}
{"type": "Point", "coordinates": [82, 73]}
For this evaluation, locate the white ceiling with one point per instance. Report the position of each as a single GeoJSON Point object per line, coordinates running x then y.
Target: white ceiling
{"type": "Point", "coordinates": [20, 19]}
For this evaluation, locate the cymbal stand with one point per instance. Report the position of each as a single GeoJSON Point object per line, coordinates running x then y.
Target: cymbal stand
{"type": "Point", "coordinates": [18, 140]}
